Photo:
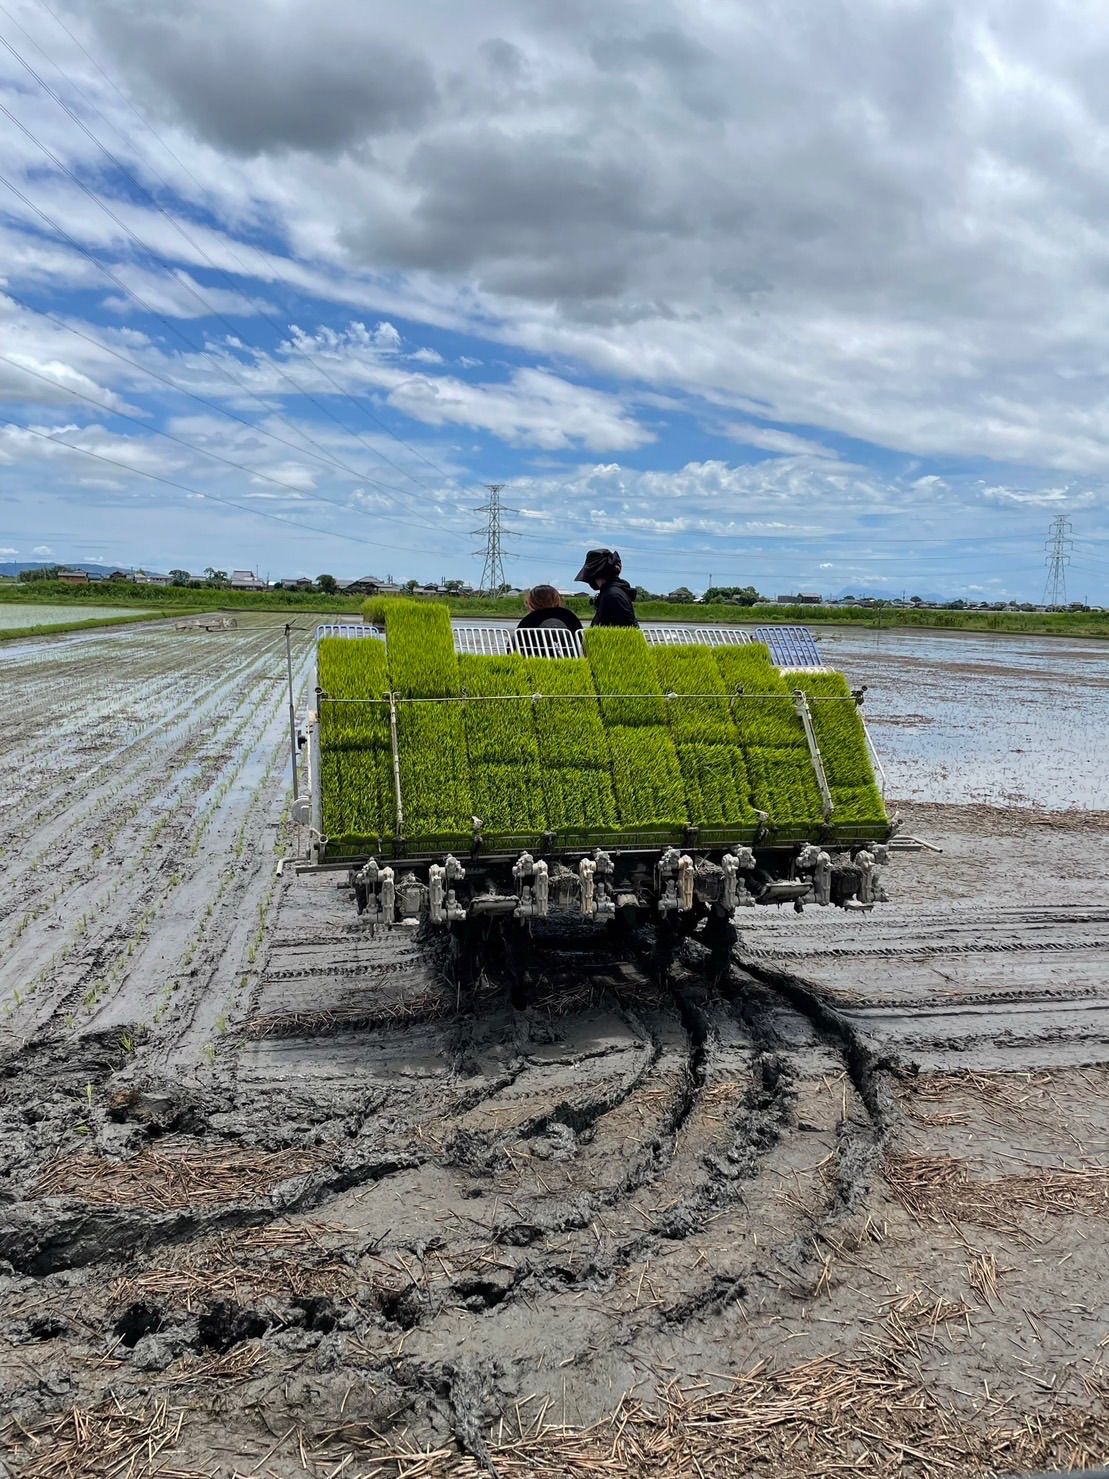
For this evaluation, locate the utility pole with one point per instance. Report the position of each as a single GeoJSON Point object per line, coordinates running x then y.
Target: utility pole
{"type": "Point", "coordinates": [1058, 547]}
{"type": "Point", "coordinates": [492, 572]}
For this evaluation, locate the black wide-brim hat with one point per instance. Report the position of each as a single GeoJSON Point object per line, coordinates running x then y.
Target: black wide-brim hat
{"type": "Point", "coordinates": [598, 562]}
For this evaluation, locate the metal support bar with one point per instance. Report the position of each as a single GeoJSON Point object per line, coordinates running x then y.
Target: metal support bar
{"type": "Point", "coordinates": [875, 759]}
{"type": "Point", "coordinates": [396, 761]}
{"type": "Point", "coordinates": [805, 712]}
{"type": "Point", "coordinates": [292, 707]}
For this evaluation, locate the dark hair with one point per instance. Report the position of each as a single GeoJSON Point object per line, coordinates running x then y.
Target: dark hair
{"type": "Point", "coordinates": [542, 596]}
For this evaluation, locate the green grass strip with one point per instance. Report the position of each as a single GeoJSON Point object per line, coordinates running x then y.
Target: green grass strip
{"type": "Point", "coordinates": [422, 660]}
{"type": "Point", "coordinates": [509, 799]}
{"type": "Point", "coordinates": [623, 666]}
{"type": "Point", "coordinates": [839, 729]}
{"type": "Point", "coordinates": [505, 782]}
{"type": "Point", "coordinates": [857, 806]}
{"type": "Point", "coordinates": [692, 670]}
{"type": "Point", "coordinates": [358, 792]}
{"type": "Point", "coordinates": [434, 770]}
{"type": "Point", "coordinates": [502, 731]}
{"type": "Point", "coordinates": [578, 800]}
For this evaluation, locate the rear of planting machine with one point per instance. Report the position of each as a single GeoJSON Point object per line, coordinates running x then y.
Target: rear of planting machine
{"type": "Point", "coordinates": [549, 814]}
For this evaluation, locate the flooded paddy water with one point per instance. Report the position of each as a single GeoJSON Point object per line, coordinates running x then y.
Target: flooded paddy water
{"type": "Point", "coordinates": [17, 614]}
{"type": "Point", "coordinates": [967, 717]}
{"type": "Point", "coordinates": [276, 1199]}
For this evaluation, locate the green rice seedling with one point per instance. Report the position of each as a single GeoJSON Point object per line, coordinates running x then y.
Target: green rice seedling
{"type": "Point", "coordinates": [623, 667]}
{"type": "Point", "coordinates": [783, 784]}
{"type": "Point", "coordinates": [839, 729]}
{"type": "Point", "coordinates": [860, 806]}
{"type": "Point", "coordinates": [353, 668]}
{"type": "Point", "coordinates": [359, 793]}
{"type": "Point", "coordinates": [434, 771]}
{"type": "Point", "coordinates": [578, 800]}
{"type": "Point", "coordinates": [568, 727]}
{"type": "Point", "coordinates": [502, 731]}
{"type": "Point", "coordinates": [646, 779]}
{"type": "Point", "coordinates": [505, 783]}
{"type": "Point", "coordinates": [691, 670]}
{"type": "Point", "coordinates": [508, 799]}
{"type": "Point", "coordinates": [765, 714]}
{"type": "Point", "coordinates": [422, 659]}
{"type": "Point", "coordinates": [431, 737]}
{"type": "Point", "coordinates": [717, 786]}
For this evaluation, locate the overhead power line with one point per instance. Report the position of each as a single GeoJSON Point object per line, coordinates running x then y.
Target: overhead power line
{"type": "Point", "coordinates": [212, 497]}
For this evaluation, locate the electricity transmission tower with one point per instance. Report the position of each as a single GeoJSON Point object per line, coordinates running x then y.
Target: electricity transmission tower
{"type": "Point", "coordinates": [492, 573]}
{"type": "Point", "coordinates": [1058, 547]}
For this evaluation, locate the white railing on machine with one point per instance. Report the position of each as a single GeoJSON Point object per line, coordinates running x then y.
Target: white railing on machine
{"type": "Point", "coordinates": [496, 641]}
{"type": "Point", "coordinates": [348, 629]}
{"type": "Point", "coordinates": [672, 636]}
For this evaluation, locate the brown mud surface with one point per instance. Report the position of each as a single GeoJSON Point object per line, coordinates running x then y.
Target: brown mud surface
{"type": "Point", "coordinates": [275, 1200]}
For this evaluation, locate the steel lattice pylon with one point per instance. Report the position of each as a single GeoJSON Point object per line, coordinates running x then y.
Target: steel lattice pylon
{"type": "Point", "coordinates": [1058, 547]}
{"type": "Point", "coordinates": [492, 572]}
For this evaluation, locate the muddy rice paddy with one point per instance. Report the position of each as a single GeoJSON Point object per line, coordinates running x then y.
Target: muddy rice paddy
{"type": "Point", "coordinates": [275, 1201]}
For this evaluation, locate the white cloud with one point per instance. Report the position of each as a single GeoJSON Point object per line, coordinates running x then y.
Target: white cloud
{"type": "Point", "coordinates": [771, 440]}
{"type": "Point", "coordinates": [42, 549]}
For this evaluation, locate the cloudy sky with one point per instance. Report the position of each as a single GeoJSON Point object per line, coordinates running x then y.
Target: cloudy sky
{"type": "Point", "coordinates": [812, 296]}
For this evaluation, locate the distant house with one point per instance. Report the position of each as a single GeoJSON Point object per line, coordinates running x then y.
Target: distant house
{"type": "Point", "coordinates": [802, 598]}
{"type": "Point", "coordinates": [246, 580]}
{"type": "Point", "coordinates": [294, 583]}
{"type": "Point", "coordinates": [368, 585]}
{"type": "Point", "coordinates": [73, 577]}
{"type": "Point", "coordinates": [118, 575]}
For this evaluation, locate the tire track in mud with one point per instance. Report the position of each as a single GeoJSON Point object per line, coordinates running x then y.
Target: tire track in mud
{"type": "Point", "coordinates": [598, 1174]}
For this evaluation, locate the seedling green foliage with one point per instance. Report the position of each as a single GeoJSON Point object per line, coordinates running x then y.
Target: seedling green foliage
{"type": "Point", "coordinates": [646, 779]}
{"type": "Point", "coordinates": [717, 786]}
{"type": "Point", "coordinates": [358, 793]}
{"type": "Point", "coordinates": [648, 784]}
{"type": "Point", "coordinates": [505, 782]}
{"type": "Point", "coordinates": [431, 737]}
{"type": "Point", "coordinates": [700, 719]}
{"type": "Point", "coordinates": [569, 729]}
{"type": "Point", "coordinates": [765, 714]}
{"type": "Point", "coordinates": [842, 743]}
{"type": "Point", "coordinates": [622, 666]}
{"type": "Point", "coordinates": [784, 785]}
{"type": "Point", "coordinates": [574, 762]}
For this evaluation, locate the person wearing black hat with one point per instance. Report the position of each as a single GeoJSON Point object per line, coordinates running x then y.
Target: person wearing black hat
{"type": "Point", "coordinates": [613, 602]}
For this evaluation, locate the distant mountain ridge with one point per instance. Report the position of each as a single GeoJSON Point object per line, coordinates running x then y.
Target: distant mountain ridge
{"type": "Point", "coordinates": [13, 568]}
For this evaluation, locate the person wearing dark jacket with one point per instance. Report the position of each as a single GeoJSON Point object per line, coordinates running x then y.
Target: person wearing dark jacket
{"type": "Point", "coordinates": [545, 609]}
{"type": "Point", "coordinates": [546, 613]}
{"type": "Point", "coordinates": [613, 602]}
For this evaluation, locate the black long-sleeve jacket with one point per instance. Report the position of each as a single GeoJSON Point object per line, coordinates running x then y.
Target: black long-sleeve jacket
{"type": "Point", "coordinates": [614, 606]}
